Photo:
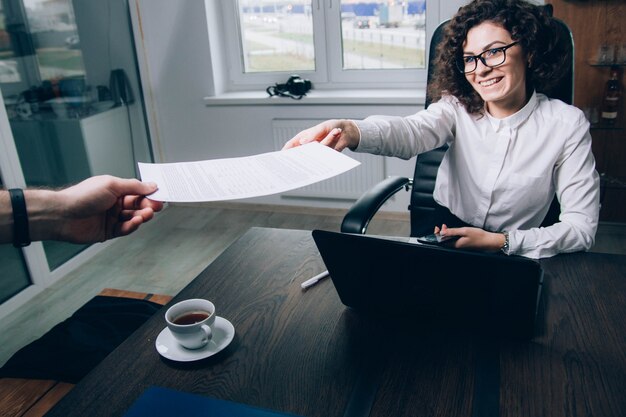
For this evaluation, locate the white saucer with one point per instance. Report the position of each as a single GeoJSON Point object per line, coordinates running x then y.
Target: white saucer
{"type": "Point", "coordinates": [168, 347]}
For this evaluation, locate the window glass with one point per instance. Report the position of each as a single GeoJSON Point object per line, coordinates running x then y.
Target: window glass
{"type": "Point", "coordinates": [383, 35]}
{"type": "Point", "coordinates": [276, 35]}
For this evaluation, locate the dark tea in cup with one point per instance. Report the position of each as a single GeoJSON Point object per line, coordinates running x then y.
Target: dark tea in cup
{"type": "Point", "coordinates": [190, 322]}
{"type": "Point", "coordinates": [191, 317]}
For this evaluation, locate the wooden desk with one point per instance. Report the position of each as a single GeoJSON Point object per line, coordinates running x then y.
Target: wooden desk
{"type": "Point", "coordinates": [305, 353]}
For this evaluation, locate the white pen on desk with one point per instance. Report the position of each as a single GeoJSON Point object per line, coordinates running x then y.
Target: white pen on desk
{"type": "Point", "coordinates": [317, 278]}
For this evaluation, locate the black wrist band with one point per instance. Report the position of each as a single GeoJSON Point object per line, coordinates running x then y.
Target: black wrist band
{"type": "Point", "coordinates": [21, 235]}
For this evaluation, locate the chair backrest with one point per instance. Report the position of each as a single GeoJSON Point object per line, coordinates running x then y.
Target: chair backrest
{"type": "Point", "coordinates": [427, 164]}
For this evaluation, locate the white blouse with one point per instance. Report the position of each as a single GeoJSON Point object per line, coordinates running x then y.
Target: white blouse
{"type": "Point", "coordinates": [501, 174]}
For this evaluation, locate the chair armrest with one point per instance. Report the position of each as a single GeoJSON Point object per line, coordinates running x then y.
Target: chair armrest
{"type": "Point", "coordinates": [360, 214]}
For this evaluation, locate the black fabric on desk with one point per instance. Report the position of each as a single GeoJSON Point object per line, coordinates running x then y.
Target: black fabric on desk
{"type": "Point", "coordinates": [74, 347]}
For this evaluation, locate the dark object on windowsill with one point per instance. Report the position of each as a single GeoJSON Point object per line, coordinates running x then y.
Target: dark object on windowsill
{"type": "Point", "coordinates": [295, 88]}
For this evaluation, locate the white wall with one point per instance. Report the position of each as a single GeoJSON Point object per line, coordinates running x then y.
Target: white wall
{"type": "Point", "coordinates": [177, 72]}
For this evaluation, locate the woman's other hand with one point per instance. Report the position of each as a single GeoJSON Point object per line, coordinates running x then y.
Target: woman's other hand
{"type": "Point", "coordinates": [473, 238]}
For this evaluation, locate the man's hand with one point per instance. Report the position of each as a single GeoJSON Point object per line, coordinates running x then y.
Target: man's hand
{"type": "Point", "coordinates": [102, 208]}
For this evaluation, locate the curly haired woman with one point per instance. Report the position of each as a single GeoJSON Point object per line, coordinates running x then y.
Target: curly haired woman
{"type": "Point", "coordinates": [511, 148]}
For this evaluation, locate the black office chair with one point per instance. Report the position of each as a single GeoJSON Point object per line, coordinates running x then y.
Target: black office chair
{"type": "Point", "coordinates": [422, 185]}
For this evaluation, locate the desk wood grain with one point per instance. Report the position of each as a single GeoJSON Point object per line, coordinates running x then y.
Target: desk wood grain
{"type": "Point", "coordinates": [293, 351]}
{"type": "Point", "coordinates": [305, 353]}
{"type": "Point", "coordinates": [576, 366]}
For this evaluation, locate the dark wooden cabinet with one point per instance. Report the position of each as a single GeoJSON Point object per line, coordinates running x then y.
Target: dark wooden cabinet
{"type": "Point", "coordinates": [594, 24]}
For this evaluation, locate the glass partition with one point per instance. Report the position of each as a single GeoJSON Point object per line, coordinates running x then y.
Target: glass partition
{"type": "Point", "coordinates": [69, 78]}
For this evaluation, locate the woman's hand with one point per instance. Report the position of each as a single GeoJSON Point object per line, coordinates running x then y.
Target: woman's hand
{"type": "Point", "coordinates": [473, 238]}
{"type": "Point", "coordinates": [336, 134]}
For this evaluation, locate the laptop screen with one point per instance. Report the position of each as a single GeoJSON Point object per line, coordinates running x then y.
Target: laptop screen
{"type": "Point", "coordinates": [390, 277]}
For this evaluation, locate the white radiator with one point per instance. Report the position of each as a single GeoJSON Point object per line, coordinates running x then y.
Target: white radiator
{"type": "Point", "coordinates": [347, 186]}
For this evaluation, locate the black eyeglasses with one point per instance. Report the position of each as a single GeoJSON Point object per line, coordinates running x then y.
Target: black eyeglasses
{"type": "Point", "coordinates": [490, 58]}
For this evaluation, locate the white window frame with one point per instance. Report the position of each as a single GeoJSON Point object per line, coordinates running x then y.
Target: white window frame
{"type": "Point", "coordinates": [326, 37]}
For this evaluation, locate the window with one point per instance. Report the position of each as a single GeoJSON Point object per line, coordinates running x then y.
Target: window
{"type": "Point", "coordinates": [331, 42]}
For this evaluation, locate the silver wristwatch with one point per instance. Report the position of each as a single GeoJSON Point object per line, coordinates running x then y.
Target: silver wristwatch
{"type": "Point", "coordinates": [505, 248]}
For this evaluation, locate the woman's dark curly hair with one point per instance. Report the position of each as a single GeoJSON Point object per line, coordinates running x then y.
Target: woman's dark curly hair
{"type": "Point", "coordinates": [527, 23]}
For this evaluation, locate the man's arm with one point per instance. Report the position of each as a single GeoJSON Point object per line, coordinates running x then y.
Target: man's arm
{"type": "Point", "coordinates": [94, 210]}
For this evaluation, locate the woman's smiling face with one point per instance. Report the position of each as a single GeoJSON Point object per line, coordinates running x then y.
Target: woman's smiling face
{"type": "Point", "coordinates": [503, 88]}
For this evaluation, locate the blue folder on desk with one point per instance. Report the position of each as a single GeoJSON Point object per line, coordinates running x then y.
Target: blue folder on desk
{"type": "Point", "coordinates": [164, 402]}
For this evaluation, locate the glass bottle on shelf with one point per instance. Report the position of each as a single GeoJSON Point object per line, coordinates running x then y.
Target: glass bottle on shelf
{"type": "Point", "coordinates": [605, 55]}
{"type": "Point", "coordinates": [611, 99]}
{"type": "Point", "coordinates": [621, 54]}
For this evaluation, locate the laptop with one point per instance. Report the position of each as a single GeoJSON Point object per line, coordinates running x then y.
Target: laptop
{"type": "Point", "coordinates": [433, 284]}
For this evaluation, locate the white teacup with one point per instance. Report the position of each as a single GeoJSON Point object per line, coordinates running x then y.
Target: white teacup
{"type": "Point", "coordinates": [190, 322]}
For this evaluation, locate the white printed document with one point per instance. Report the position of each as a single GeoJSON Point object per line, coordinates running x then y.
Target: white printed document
{"type": "Point", "coordinates": [245, 177]}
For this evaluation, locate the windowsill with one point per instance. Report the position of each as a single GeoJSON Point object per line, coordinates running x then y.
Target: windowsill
{"type": "Point", "coordinates": [322, 97]}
